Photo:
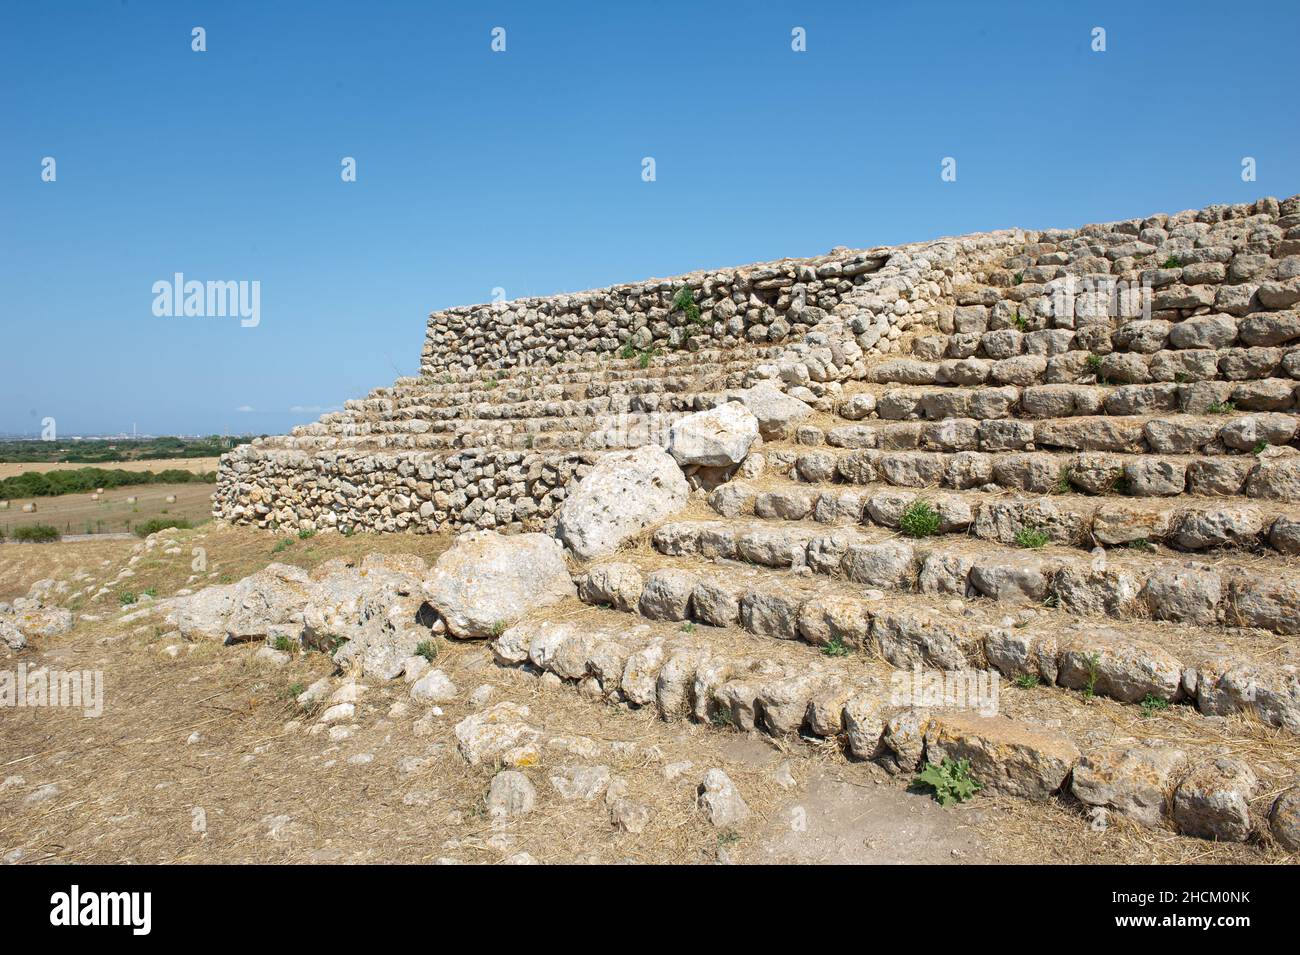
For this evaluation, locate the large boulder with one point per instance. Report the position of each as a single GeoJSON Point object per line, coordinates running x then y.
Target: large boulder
{"type": "Point", "coordinates": [487, 581]}
{"type": "Point", "coordinates": [717, 438]}
{"type": "Point", "coordinates": [272, 597]}
{"type": "Point", "coordinates": [623, 494]}
{"type": "Point", "coordinates": [370, 616]}
{"type": "Point", "coordinates": [778, 414]}
{"type": "Point", "coordinates": [1005, 756]}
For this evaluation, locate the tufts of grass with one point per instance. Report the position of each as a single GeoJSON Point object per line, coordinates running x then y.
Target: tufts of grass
{"type": "Point", "coordinates": [1026, 681]}
{"type": "Point", "coordinates": [427, 649]}
{"type": "Point", "coordinates": [1031, 538]}
{"type": "Point", "coordinates": [36, 534]}
{"type": "Point", "coordinates": [1152, 705]}
{"type": "Point", "coordinates": [1173, 262]}
{"type": "Point", "coordinates": [157, 524]}
{"type": "Point", "coordinates": [287, 644]}
{"type": "Point", "coordinates": [1222, 407]}
{"type": "Point", "coordinates": [919, 519]}
{"type": "Point", "coordinates": [836, 648]}
{"type": "Point", "coordinates": [306, 534]}
{"type": "Point", "coordinates": [126, 598]}
{"type": "Point", "coordinates": [684, 301]}
{"type": "Point", "coordinates": [1094, 668]}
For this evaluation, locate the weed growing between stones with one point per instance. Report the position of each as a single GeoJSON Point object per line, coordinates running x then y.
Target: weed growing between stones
{"type": "Point", "coordinates": [919, 520]}
{"type": "Point", "coordinates": [1031, 539]}
{"type": "Point", "coordinates": [1151, 705]}
{"type": "Point", "coordinates": [950, 781]}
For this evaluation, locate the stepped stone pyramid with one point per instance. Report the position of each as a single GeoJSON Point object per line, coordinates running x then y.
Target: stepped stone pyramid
{"type": "Point", "coordinates": [1066, 457]}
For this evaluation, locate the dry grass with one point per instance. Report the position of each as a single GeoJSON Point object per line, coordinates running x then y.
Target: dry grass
{"type": "Point", "coordinates": [111, 514]}
{"type": "Point", "coordinates": [260, 786]}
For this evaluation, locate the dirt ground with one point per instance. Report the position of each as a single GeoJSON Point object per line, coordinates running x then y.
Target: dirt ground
{"type": "Point", "coordinates": [111, 514]}
{"type": "Point", "coordinates": [202, 755]}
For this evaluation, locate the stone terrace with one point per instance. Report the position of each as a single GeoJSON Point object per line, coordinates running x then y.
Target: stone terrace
{"type": "Point", "coordinates": [1068, 456]}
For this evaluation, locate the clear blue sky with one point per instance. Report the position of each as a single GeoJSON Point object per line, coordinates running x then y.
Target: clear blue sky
{"type": "Point", "coordinates": [523, 169]}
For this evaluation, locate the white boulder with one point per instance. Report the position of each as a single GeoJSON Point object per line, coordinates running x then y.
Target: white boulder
{"type": "Point", "coordinates": [717, 438]}
{"type": "Point", "coordinates": [487, 581]}
{"type": "Point", "coordinates": [623, 494]}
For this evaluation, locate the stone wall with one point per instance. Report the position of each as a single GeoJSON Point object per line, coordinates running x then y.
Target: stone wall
{"type": "Point", "coordinates": [419, 492]}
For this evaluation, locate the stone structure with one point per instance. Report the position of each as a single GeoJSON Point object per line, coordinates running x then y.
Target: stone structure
{"type": "Point", "coordinates": [1130, 338]}
{"type": "Point", "coordinates": [1053, 458]}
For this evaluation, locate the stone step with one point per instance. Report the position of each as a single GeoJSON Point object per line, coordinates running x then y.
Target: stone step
{"type": "Point", "coordinates": [631, 431]}
{"type": "Point", "coordinates": [1216, 672]}
{"type": "Point", "coordinates": [1024, 743]}
{"type": "Point", "coordinates": [613, 369]}
{"type": "Point", "coordinates": [1273, 474]}
{"type": "Point", "coordinates": [1232, 590]}
{"type": "Point", "coordinates": [1072, 520]}
{"type": "Point", "coordinates": [1126, 434]}
{"type": "Point", "coordinates": [1021, 335]}
{"type": "Point", "coordinates": [404, 410]}
{"type": "Point", "coordinates": [1231, 365]}
{"type": "Point", "coordinates": [937, 403]}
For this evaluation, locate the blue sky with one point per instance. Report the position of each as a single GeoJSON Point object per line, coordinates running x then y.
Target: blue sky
{"type": "Point", "coordinates": [522, 169]}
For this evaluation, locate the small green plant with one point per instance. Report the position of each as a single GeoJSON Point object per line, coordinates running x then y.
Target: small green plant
{"type": "Point", "coordinates": [720, 718]}
{"type": "Point", "coordinates": [1260, 447]}
{"type": "Point", "coordinates": [1018, 278]}
{"type": "Point", "coordinates": [126, 598]}
{"type": "Point", "coordinates": [1121, 485]}
{"type": "Point", "coordinates": [1141, 544]}
{"type": "Point", "coordinates": [427, 649]}
{"type": "Point", "coordinates": [643, 359]}
{"type": "Point", "coordinates": [1222, 407]}
{"type": "Point", "coordinates": [728, 837]}
{"type": "Point", "coordinates": [287, 644]}
{"type": "Point", "coordinates": [150, 592]}
{"type": "Point", "coordinates": [1019, 321]}
{"type": "Point", "coordinates": [1093, 661]}
{"type": "Point", "coordinates": [684, 301]}
{"type": "Point", "coordinates": [836, 648]}
{"type": "Point", "coordinates": [157, 524]}
{"type": "Point", "coordinates": [498, 628]}
{"type": "Point", "coordinates": [1063, 485]}
{"type": "Point", "coordinates": [1031, 538]}
{"type": "Point", "coordinates": [490, 383]}
{"type": "Point", "coordinates": [294, 690]}
{"type": "Point", "coordinates": [1173, 262]}
{"type": "Point", "coordinates": [281, 546]}
{"type": "Point", "coordinates": [950, 781]}
{"type": "Point", "coordinates": [919, 519]}
{"type": "Point", "coordinates": [629, 351]}
{"type": "Point", "coordinates": [306, 533]}
{"type": "Point", "coordinates": [1151, 705]}
{"type": "Point", "coordinates": [688, 627]}
{"type": "Point", "coordinates": [1026, 681]}
{"type": "Point", "coordinates": [36, 534]}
